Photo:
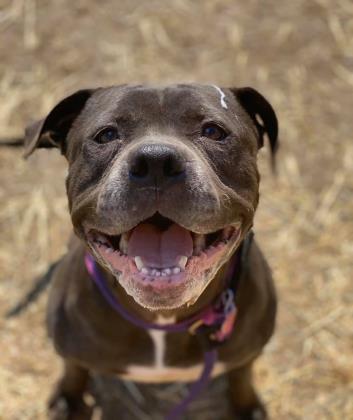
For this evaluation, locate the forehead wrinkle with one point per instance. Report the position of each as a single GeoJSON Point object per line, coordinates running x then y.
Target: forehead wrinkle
{"type": "Point", "coordinates": [142, 101]}
{"type": "Point", "coordinates": [183, 103]}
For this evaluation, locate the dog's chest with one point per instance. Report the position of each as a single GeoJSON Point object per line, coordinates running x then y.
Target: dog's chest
{"type": "Point", "coordinates": [159, 371]}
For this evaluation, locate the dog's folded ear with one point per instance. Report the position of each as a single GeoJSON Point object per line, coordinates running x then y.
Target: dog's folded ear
{"type": "Point", "coordinates": [262, 114]}
{"type": "Point", "coordinates": [52, 130]}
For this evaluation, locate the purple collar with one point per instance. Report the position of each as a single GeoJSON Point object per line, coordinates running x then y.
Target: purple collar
{"type": "Point", "coordinates": [213, 325]}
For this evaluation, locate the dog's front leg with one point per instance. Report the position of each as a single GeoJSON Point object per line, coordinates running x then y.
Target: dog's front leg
{"type": "Point", "coordinates": [66, 402]}
{"type": "Point", "coordinates": [245, 401]}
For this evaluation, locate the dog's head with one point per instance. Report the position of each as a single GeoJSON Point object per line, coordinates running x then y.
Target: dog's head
{"type": "Point", "coordinates": [163, 181]}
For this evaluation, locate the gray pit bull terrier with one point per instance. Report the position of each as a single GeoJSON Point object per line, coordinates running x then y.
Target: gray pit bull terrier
{"type": "Point", "coordinates": [162, 189]}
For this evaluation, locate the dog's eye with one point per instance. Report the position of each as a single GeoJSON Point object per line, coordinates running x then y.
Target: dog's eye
{"type": "Point", "coordinates": [214, 132]}
{"type": "Point", "coordinates": [106, 135]}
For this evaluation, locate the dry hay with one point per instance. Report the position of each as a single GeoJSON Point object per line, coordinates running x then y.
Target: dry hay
{"type": "Point", "coordinates": [300, 55]}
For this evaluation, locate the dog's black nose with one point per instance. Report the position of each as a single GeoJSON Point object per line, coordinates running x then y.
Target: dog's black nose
{"type": "Point", "coordinates": [156, 165]}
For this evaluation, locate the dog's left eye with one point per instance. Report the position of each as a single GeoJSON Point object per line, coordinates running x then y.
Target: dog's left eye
{"type": "Point", "coordinates": [214, 132]}
{"type": "Point", "coordinates": [106, 135]}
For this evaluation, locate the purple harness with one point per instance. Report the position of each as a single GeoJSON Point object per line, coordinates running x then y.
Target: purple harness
{"type": "Point", "coordinates": [213, 325]}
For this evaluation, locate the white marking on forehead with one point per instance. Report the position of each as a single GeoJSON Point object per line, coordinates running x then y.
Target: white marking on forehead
{"type": "Point", "coordinates": [223, 102]}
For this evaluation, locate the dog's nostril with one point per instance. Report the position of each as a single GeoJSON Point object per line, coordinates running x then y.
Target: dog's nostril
{"type": "Point", "coordinates": [139, 169]}
{"type": "Point", "coordinates": [173, 167]}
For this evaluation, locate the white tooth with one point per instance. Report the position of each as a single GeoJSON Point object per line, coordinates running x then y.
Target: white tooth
{"type": "Point", "coordinates": [153, 272]}
{"type": "Point", "coordinates": [199, 243]}
{"type": "Point", "coordinates": [182, 262]}
{"type": "Point", "coordinates": [176, 270]}
{"type": "Point", "coordinates": [168, 271]}
{"type": "Point", "coordinates": [101, 238]}
{"type": "Point", "coordinates": [124, 241]}
{"type": "Point", "coordinates": [158, 273]}
{"type": "Point", "coordinates": [109, 250]}
{"type": "Point", "coordinates": [144, 270]}
{"type": "Point", "coordinates": [139, 263]}
{"type": "Point", "coordinates": [163, 274]}
{"type": "Point", "coordinates": [225, 233]}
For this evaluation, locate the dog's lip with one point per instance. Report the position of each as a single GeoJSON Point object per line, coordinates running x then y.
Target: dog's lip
{"type": "Point", "coordinates": [152, 279]}
{"type": "Point", "coordinates": [94, 237]}
{"type": "Point", "coordinates": [91, 233]}
{"type": "Point", "coordinates": [89, 230]}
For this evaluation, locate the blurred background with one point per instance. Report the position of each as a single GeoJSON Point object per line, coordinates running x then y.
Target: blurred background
{"type": "Point", "coordinates": [298, 54]}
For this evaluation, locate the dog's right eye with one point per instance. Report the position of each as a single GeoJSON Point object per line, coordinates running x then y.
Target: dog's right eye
{"type": "Point", "coordinates": [107, 135]}
{"type": "Point", "coordinates": [213, 132]}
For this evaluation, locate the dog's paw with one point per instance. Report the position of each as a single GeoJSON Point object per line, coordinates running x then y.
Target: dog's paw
{"type": "Point", "coordinates": [62, 408]}
{"type": "Point", "coordinates": [253, 413]}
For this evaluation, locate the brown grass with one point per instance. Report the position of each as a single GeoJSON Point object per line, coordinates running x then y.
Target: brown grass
{"type": "Point", "coordinates": [300, 55]}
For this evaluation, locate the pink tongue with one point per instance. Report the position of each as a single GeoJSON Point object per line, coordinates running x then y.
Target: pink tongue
{"type": "Point", "coordinates": [160, 249]}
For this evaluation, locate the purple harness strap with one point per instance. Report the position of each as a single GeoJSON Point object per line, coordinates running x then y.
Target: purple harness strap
{"type": "Point", "coordinates": [220, 317]}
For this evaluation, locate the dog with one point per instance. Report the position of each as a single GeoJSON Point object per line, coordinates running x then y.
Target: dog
{"type": "Point", "coordinates": [162, 190]}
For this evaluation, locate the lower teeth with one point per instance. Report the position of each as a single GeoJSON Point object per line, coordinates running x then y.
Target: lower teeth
{"type": "Point", "coordinates": [154, 272]}
{"type": "Point", "coordinates": [160, 272]}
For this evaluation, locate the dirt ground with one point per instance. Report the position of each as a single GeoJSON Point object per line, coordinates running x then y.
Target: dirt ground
{"type": "Point", "coordinates": [299, 54]}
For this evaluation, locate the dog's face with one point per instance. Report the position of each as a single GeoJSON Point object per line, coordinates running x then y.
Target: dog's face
{"type": "Point", "coordinates": [163, 182]}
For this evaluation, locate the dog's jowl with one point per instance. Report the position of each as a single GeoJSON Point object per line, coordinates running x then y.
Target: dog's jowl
{"type": "Point", "coordinates": [162, 279]}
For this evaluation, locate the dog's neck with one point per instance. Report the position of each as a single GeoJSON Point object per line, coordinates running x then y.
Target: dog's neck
{"type": "Point", "coordinates": [210, 293]}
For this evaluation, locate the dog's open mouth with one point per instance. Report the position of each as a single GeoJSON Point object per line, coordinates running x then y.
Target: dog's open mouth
{"type": "Point", "coordinates": [160, 252]}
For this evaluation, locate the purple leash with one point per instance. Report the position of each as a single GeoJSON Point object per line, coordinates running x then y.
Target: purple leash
{"type": "Point", "coordinates": [220, 316]}
{"type": "Point", "coordinates": [210, 358]}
